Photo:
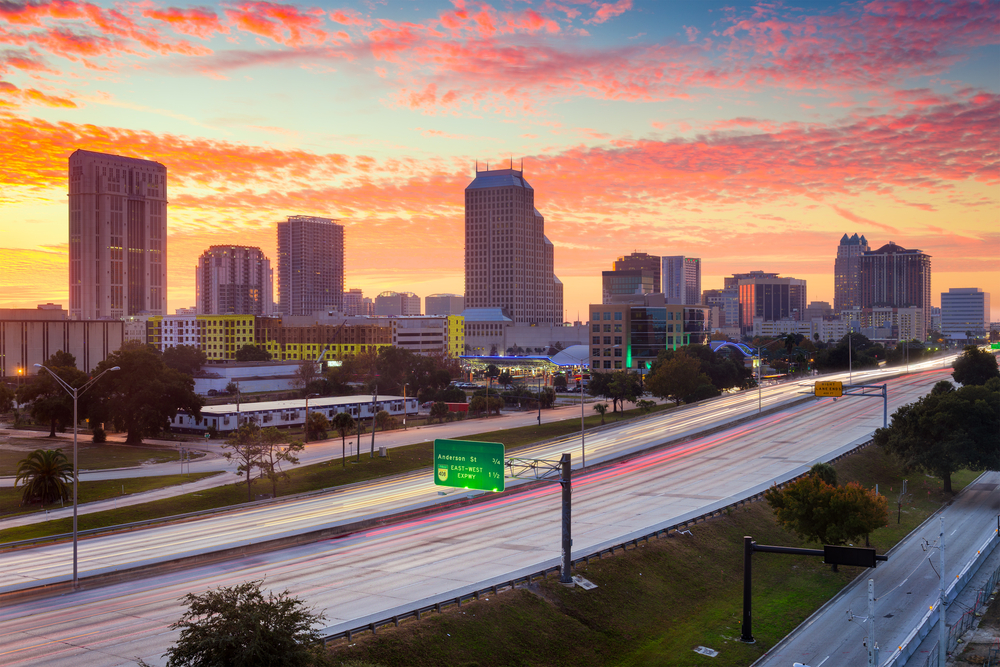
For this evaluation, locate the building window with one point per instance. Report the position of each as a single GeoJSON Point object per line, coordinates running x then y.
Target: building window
{"type": "Point", "coordinates": [618, 364]}
{"type": "Point", "coordinates": [607, 328]}
{"type": "Point", "coordinates": [597, 352]}
{"type": "Point", "coordinates": [618, 352]}
{"type": "Point", "coordinates": [607, 352]}
{"type": "Point", "coordinates": [607, 316]}
{"type": "Point", "coordinates": [597, 340]}
{"type": "Point", "coordinates": [607, 364]}
{"type": "Point", "coordinates": [607, 340]}
{"type": "Point", "coordinates": [618, 317]}
{"type": "Point", "coordinates": [618, 340]}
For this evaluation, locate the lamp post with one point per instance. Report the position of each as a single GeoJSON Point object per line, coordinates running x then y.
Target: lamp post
{"type": "Point", "coordinates": [75, 392]}
{"type": "Point", "coordinates": [539, 401]}
{"type": "Point", "coordinates": [583, 445]}
{"type": "Point", "coordinates": [374, 398]}
{"type": "Point", "coordinates": [760, 360]}
{"type": "Point", "coordinates": [308, 396]}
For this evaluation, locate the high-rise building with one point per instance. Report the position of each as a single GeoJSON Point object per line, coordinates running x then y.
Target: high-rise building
{"type": "Point", "coordinates": [233, 279]}
{"type": "Point", "coordinates": [640, 261]}
{"type": "Point", "coordinates": [768, 298]}
{"type": "Point", "coordinates": [444, 304]}
{"type": "Point", "coordinates": [895, 277]}
{"type": "Point", "coordinates": [354, 303]}
{"type": "Point", "coordinates": [847, 272]}
{"type": "Point", "coordinates": [508, 260]}
{"type": "Point", "coordinates": [117, 236]}
{"type": "Point", "coordinates": [397, 304]}
{"type": "Point", "coordinates": [310, 265]}
{"type": "Point", "coordinates": [965, 313]}
{"type": "Point", "coordinates": [682, 279]}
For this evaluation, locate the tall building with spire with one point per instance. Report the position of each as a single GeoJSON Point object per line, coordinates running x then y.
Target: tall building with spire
{"type": "Point", "coordinates": [847, 273]}
{"type": "Point", "coordinates": [117, 236]}
{"type": "Point", "coordinates": [508, 260]}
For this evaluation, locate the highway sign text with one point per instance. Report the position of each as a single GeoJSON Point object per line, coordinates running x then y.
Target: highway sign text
{"type": "Point", "coordinates": [469, 465]}
{"type": "Point", "coordinates": [826, 388]}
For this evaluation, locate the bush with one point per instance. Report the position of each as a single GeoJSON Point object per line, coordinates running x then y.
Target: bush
{"type": "Point", "coordinates": [99, 435]}
{"type": "Point", "coordinates": [701, 393]}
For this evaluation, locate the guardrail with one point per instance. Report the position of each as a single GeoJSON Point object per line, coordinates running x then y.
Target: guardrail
{"type": "Point", "coordinates": [511, 583]}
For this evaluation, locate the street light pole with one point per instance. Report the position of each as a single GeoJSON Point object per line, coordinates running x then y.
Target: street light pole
{"type": "Point", "coordinates": [308, 396]}
{"type": "Point", "coordinates": [75, 392]}
{"type": "Point", "coordinates": [374, 399]}
{"type": "Point", "coordinates": [539, 401]}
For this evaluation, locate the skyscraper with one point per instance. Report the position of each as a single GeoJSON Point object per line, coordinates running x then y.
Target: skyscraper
{"type": "Point", "coordinates": [768, 297]}
{"type": "Point", "coordinates": [896, 277]}
{"type": "Point", "coordinates": [847, 273]}
{"type": "Point", "coordinates": [965, 312]}
{"type": "Point", "coordinates": [508, 260]}
{"type": "Point", "coordinates": [682, 279]}
{"type": "Point", "coordinates": [310, 265]}
{"type": "Point", "coordinates": [233, 279]}
{"type": "Point", "coordinates": [640, 261]}
{"type": "Point", "coordinates": [117, 236]}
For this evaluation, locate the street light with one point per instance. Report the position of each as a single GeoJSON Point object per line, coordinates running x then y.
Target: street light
{"type": "Point", "coordinates": [75, 392]}
{"type": "Point", "coordinates": [308, 396]}
{"type": "Point", "coordinates": [760, 399]}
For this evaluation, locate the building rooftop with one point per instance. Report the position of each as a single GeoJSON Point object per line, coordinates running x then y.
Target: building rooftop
{"type": "Point", "coordinates": [498, 178]}
{"type": "Point", "coordinates": [485, 315]}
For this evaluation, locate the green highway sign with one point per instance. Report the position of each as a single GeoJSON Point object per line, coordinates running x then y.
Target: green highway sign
{"type": "Point", "coordinates": [469, 465]}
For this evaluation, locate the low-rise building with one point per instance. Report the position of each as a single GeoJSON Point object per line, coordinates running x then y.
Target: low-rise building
{"type": "Point", "coordinates": [29, 336]}
{"type": "Point", "coordinates": [425, 334]}
{"type": "Point", "coordinates": [965, 313]}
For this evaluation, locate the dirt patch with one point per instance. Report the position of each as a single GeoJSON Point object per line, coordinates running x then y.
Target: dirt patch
{"type": "Point", "coordinates": [985, 640]}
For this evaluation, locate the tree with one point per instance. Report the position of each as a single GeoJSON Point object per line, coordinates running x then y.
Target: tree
{"type": "Point", "coordinates": [6, 398]}
{"type": "Point", "coordinates": [975, 366]}
{"type": "Point", "coordinates": [492, 371]}
{"type": "Point", "coordinates": [547, 397]}
{"type": "Point", "coordinates": [676, 378]}
{"type": "Point", "coordinates": [239, 625]}
{"type": "Point", "coordinates": [601, 409]}
{"type": "Point", "coordinates": [244, 446]}
{"type": "Point", "coordinates": [504, 378]}
{"type": "Point", "coordinates": [947, 430]}
{"type": "Point", "coordinates": [645, 405]}
{"type": "Point", "coordinates": [252, 353]}
{"type": "Point", "coordinates": [49, 401]}
{"type": "Point", "coordinates": [825, 472]}
{"type": "Point", "coordinates": [383, 419]}
{"type": "Point", "coordinates": [439, 410]}
{"type": "Point", "coordinates": [275, 449]}
{"type": "Point", "coordinates": [344, 424]}
{"type": "Point", "coordinates": [559, 382]}
{"type": "Point", "coordinates": [45, 474]}
{"type": "Point", "coordinates": [143, 396]}
{"type": "Point", "coordinates": [829, 514]}
{"type": "Point", "coordinates": [186, 359]}
{"type": "Point", "coordinates": [305, 373]}
{"type": "Point", "coordinates": [477, 405]}
{"type": "Point", "coordinates": [317, 425]}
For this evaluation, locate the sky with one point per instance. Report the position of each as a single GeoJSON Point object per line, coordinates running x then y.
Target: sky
{"type": "Point", "coordinates": [750, 134]}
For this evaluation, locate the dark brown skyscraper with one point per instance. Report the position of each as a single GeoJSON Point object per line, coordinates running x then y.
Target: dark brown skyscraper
{"type": "Point", "coordinates": [847, 273]}
{"type": "Point", "coordinates": [896, 277]}
{"type": "Point", "coordinates": [640, 261]}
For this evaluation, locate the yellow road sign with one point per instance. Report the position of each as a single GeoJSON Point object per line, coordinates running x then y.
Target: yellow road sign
{"type": "Point", "coordinates": [835, 389]}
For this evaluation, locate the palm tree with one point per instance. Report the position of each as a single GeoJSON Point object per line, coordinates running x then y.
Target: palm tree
{"type": "Point", "coordinates": [45, 473]}
{"type": "Point", "coordinates": [601, 409]}
{"type": "Point", "coordinates": [343, 423]}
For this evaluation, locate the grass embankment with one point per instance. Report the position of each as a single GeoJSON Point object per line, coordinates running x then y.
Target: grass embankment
{"type": "Point", "coordinates": [91, 456]}
{"type": "Point", "coordinates": [88, 492]}
{"type": "Point", "coordinates": [656, 603]}
{"type": "Point", "coordinates": [300, 480]}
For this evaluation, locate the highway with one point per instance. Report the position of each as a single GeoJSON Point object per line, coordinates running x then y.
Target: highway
{"type": "Point", "coordinates": [398, 566]}
{"type": "Point", "coordinates": [905, 587]}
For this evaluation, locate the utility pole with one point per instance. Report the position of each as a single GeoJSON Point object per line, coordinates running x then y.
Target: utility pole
{"type": "Point", "coordinates": [565, 573]}
{"type": "Point", "coordinates": [374, 398]}
{"type": "Point", "coordinates": [872, 646]}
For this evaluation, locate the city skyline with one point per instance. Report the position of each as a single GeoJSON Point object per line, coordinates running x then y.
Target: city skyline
{"type": "Point", "coordinates": [751, 136]}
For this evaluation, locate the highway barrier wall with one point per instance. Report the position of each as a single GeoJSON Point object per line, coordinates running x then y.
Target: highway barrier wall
{"type": "Point", "coordinates": [928, 623]}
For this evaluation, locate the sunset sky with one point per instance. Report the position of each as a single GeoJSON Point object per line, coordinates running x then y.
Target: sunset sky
{"type": "Point", "coordinates": [752, 135]}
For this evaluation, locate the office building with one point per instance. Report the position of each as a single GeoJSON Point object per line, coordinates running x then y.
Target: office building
{"type": "Point", "coordinates": [434, 334]}
{"type": "Point", "coordinates": [768, 297]}
{"type": "Point", "coordinates": [509, 263]}
{"type": "Point", "coordinates": [29, 336]}
{"type": "Point", "coordinates": [117, 236]}
{"type": "Point", "coordinates": [233, 279]}
{"type": "Point", "coordinates": [625, 282]}
{"type": "Point", "coordinates": [818, 309]}
{"type": "Point", "coordinates": [444, 304]}
{"type": "Point", "coordinates": [640, 261]}
{"type": "Point", "coordinates": [310, 265]}
{"type": "Point", "coordinates": [895, 277]}
{"type": "Point", "coordinates": [965, 313]}
{"type": "Point", "coordinates": [633, 330]}
{"type": "Point", "coordinates": [847, 272]}
{"type": "Point", "coordinates": [681, 279]}
{"type": "Point", "coordinates": [397, 304]}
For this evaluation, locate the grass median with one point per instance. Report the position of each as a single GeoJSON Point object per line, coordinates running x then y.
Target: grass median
{"type": "Point", "coordinates": [91, 456]}
{"type": "Point", "coordinates": [655, 604]}
{"type": "Point", "coordinates": [300, 480]}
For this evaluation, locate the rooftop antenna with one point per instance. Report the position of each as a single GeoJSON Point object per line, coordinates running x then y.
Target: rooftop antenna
{"type": "Point", "coordinates": [512, 162]}
{"type": "Point", "coordinates": [477, 166]}
{"type": "Point", "coordinates": [522, 165]}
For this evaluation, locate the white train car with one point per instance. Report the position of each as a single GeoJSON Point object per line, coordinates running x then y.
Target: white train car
{"type": "Point", "coordinates": [226, 418]}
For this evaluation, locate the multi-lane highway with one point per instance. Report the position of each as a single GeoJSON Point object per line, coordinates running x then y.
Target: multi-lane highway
{"type": "Point", "coordinates": [398, 566]}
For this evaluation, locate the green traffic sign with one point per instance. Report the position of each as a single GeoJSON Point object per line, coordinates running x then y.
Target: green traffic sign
{"type": "Point", "coordinates": [469, 465]}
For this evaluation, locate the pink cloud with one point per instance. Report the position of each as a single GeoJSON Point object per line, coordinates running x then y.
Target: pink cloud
{"type": "Point", "coordinates": [609, 10]}
{"type": "Point", "coordinates": [283, 24]}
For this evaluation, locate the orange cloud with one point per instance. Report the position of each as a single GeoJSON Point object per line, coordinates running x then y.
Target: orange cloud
{"type": "Point", "coordinates": [283, 24]}
{"type": "Point", "coordinates": [195, 21]}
